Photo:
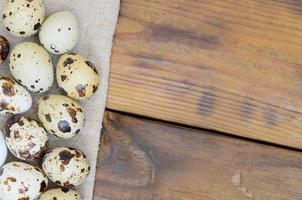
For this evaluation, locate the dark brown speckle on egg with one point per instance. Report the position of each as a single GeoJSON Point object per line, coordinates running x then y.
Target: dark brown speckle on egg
{"type": "Point", "coordinates": [68, 61]}
{"type": "Point", "coordinates": [8, 89]}
{"type": "Point", "coordinates": [37, 26]}
{"type": "Point", "coordinates": [91, 65]}
{"type": "Point", "coordinates": [48, 117]}
{"type": "Point", "coordinates": [78, 153]}
{"type": "Point", "coordinates": [94, 88]}
{"type": "Point", "coordinates": [63, 78]}
{"type": "Point", "coordinates": [11, 121]}
{"type": "Point", "coordinates": [7, 79]}
{"type": "Point", "coordinates": [45, 98]}
{"type": "Point", "coordinates": [72, 114]}
{"type": "Point", "coordinates": [4, 48]}
{"type": "Point", "coordinates": [65, 190]}
{"type": "Point", "coordinates": [66, 156]}
{"type": "Point", "coordinates": [16, 134]}
{"type": "Point", "coordinates": [80, 88]}
{"type": "Point", "coordinates": [42, 186]}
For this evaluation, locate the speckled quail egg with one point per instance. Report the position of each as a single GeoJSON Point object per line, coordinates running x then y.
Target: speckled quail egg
{"type": "Point", "coordinates": [14, 99]}
{"type": "Point", "coordinates": [59, 33]}
{"type": "Point", "coordinates": [3, 149]}
{"type": "Point", "coordinates": [4, 48]}
{"type": "Point", "coordinates": [77, 76]}
{"type": "Point", "coordinates": [31, 66]}
{"type": "Point", "coordinates": [61, 116]}
{"type": "Point", "coordinates": [60, 194]}
{"type": "Point", "coordinates": [21, 181]}
{"type": "Point", "coordinates": [23, 18]}
{"type": "Point", "coordinates": [25, 138]}
{"type": "Point", "coordinates": [66, 166]}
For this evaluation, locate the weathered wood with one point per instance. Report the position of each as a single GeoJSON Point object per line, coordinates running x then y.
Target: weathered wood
{"type": "Point", "coordinates": [146, 160]}
{"type": "Point", "coordinates": [229, 65]}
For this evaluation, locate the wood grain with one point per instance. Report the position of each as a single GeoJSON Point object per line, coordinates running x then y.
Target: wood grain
{"type": "Point", "coordinates": [146, 160]}
{"type": "Point", "coordinates": [228, 65]}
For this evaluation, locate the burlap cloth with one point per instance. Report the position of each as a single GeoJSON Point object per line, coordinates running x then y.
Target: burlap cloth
{"type": "Point", "coordinates": [97, 21]}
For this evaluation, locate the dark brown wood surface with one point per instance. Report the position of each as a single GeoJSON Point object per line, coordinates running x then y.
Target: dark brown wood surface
{"type": "Point", "coordinates": [146, 160]}
{"type": "Point", "coordinates": [229, 65]}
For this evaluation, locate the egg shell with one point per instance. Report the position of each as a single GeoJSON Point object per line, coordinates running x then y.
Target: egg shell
{"type": "Point", "coordinates": [65, 166]}
{"type": "Point", "coordinates": [14, 98]}
{"type": "Point", "coordinates": [32, 67]}
{"type": "Point", "coordinates": [3, 149]}
{"type": "Point", "coordinates": [60, 194]}
{"type": "Point", "coordinates": [23, 18]}
{"type": "Point", "coordinates": [61, 116]}
{"type": "Point", "coordinates": [59, 33]}
{"type": "Point", "coordinates": [25, 138]}
{"type": "Point", "coordinates": [77, 76]}
{"type": "Point", "coordinates": [4, 48]}
{"type": "Point", "coordinates": [21, 181]}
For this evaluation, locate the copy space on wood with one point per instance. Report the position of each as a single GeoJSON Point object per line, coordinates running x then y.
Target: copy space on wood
{"type": "Point", "coordinates": [228, 65]}
{"type": "Point", "coordinates": [141, 159]}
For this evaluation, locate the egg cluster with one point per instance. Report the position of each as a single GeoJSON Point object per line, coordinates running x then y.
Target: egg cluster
{"type": "Point", "coordinates": [59, 115]}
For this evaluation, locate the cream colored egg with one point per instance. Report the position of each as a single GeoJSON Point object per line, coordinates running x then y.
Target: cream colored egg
{"type": "Point", "coordinates": [23, 18]}
{"type": "Point", "coordinates": [14, 99]}
{"type": "Point", "coordinates": [60, 194]}
{"type": "Point", "coordinates": [25, 138]}
{"type": "Point", "coordinates": [77, 76]}
{"type": "Point", "coordinates": [21, 181]}
{"type": "Point", "coordinates": [3, 149]}
{"type": "Point", "coordinates": [66, 166]}
{"type": "Point", "coordinates": [61, 116]}
{"type": "Point", "coordinates": [32, 67]}
{"type": "Point", "coordinates": [59, 33]}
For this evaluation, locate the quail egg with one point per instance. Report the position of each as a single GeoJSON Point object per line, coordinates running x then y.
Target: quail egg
{"type": "Point", "coordinates": [60, 194]}
{"type": "Point", "coordinates": [3, 149]}
{"type": "Point", "coordinates": [4, 48]}
{"type": "Point", "coordinates": [77, 76]}
{"type": "Point", "coordinates": [59, 33]}
{"type": "Point", "coordinates": [23, 18]}
{"type": "Point", "coordinates": [31, 66]}
{"type": "Point", "coordinates": [14, 99]}
{"type": "Point", "coordinates": [21, 181]}
{"type": "Point", "coordinates": [61, 116]}
{"type": "Point", "coordinates": [66, 166]}
{"type": "Point", "coordinates": [25, 138]}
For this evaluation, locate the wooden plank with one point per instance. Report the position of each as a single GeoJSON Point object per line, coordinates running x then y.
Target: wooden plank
{"type": "Point", "coordinates": [146, 160]}
{"type": "Point", "coordinates": [228, 65]}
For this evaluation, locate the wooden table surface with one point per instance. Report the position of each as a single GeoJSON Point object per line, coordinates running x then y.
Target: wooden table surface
{"type": "Point", "coordinates": [214, 91]}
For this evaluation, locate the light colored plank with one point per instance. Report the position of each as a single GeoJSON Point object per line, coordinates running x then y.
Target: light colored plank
{"type": "Point", "coordinates": [146, 160]}
{"type": "Point", "coordinates": [229, 65]}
